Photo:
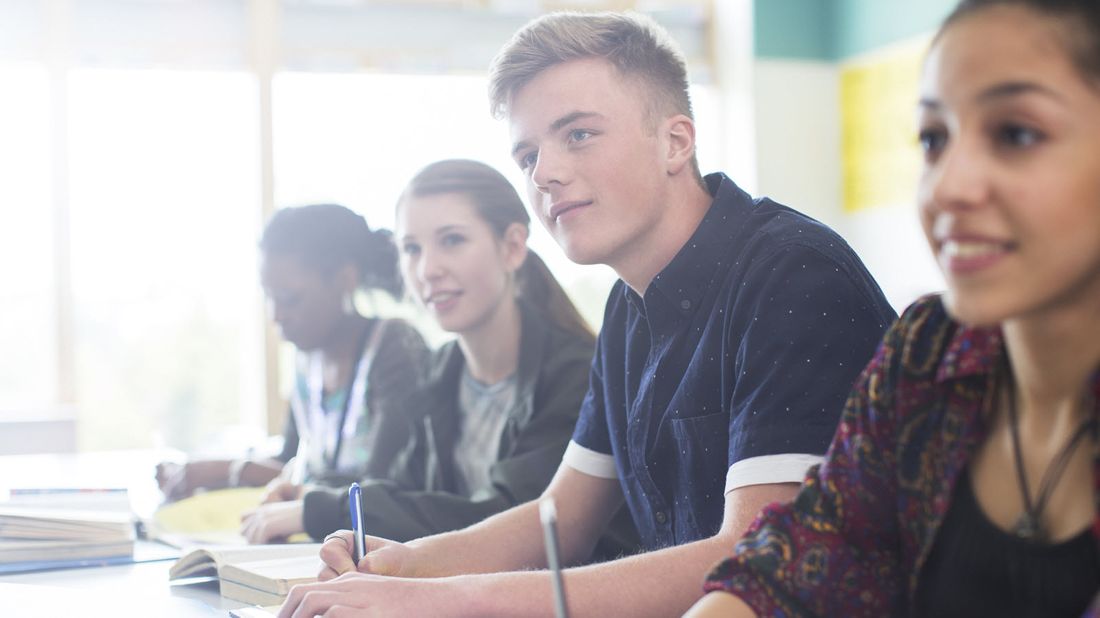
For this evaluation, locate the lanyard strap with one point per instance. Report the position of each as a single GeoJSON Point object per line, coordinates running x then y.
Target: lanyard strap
{"type": "Point", "coordinates": [309, 416]}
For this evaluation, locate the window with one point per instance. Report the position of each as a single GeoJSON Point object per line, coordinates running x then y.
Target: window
{"type": "Point", "coordinates": [131, 188]}
{"type": "Point", "coordinates": [165, 210]}
{"type": "Point", "coordinates": [28, 376]}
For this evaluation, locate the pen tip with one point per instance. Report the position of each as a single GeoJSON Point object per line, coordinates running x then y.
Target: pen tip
{"type": "Point", "coordinates": [547, 511]}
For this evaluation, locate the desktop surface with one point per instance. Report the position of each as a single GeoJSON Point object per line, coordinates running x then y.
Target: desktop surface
{"type": "Point", "coordinates": [134, 589]}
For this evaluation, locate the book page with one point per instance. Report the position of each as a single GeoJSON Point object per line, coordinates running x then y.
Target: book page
{"type": "Point", "coordinates": [274, 576]}
{"type": "Point", "coordinates": [208, 561]}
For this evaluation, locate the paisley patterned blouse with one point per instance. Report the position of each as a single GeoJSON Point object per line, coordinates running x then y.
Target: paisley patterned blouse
{"type": "Point", "coordinates": [853, 541]}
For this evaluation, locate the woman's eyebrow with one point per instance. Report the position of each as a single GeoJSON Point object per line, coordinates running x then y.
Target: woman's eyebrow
{"type": "Point", "coordinates": [1016, 88]}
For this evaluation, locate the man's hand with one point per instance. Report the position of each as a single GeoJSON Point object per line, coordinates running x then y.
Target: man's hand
{"type": "Point", "coordinates": [384, 557]}
{"type": "Point", "coordinates": [271, 523]}
{"type": "Point", "coordinates": [359, 594]}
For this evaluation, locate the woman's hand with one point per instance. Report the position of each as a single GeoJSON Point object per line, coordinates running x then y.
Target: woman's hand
{"type": "Point", "coordinates": [282, 490]}
{"type": "Point", "coordinates": [181, 480]}
{"type": "Point", "coordinates": [272, 523]}
{"type": "Point", "coordinates": [384, 557]}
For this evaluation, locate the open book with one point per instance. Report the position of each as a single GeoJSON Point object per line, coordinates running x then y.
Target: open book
{"type": "Point", "coordinates": [257, 574]}
{"type": "Point", "coordinates": [255, 611]}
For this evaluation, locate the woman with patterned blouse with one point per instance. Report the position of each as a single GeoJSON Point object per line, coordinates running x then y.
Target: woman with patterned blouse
{"type": "Point", "coordinates": [963, 478]}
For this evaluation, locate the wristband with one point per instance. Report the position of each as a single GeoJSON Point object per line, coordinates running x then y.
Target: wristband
{"type": "Point", "coordinates": [235, 468]}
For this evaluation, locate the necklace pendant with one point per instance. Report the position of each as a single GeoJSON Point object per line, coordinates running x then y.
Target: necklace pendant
{"type": "Point", "coordinates": [1027, 527]}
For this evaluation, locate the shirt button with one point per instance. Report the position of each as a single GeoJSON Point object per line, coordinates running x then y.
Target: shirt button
{"type": "Point", "coordinates": [685, 304]}
{"type": "Point", "coordinates": [661, 517]}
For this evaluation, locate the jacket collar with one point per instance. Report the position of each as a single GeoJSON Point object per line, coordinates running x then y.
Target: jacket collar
{"type": "Point", "coordinates": [448, 362]}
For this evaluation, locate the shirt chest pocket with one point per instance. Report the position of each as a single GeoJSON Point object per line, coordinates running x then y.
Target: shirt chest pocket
{"type": "Point", "coordinates": [702, 443]}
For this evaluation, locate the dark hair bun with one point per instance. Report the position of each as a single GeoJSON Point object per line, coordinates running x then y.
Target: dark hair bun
{"type": "Point", "coordinates": [379, 263]}
{"type": "Point", "coordinates": [329, 236]}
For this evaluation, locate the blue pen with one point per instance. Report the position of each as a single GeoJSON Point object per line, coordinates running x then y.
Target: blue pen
{"type": "Point", "coordinates": [355, 506]}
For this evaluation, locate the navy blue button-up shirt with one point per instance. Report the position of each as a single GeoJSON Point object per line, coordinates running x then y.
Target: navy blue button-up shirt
{"type": "Point", "coordinates": [744, 346]}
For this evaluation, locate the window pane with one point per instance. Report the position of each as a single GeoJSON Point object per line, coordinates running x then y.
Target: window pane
{"type": "Point", "coordinates": [165, 218]}
{"type": "Point", "coordinates": [27, 320]}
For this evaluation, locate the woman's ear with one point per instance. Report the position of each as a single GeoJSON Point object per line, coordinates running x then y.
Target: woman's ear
{"type": "Point", "coordinates": [347, 277]}
{"type": "Point", "coordinates": [514, 246]}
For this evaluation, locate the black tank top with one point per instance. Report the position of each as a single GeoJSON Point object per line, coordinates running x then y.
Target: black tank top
{"type": "Point", "coordinates": [977, 569]}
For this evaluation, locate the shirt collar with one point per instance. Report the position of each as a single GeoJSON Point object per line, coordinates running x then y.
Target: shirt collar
{"type": "Point", "coordinates": [686, 278]}
{"type": "Point", "coordinates": [972, 351]}
{"type": "Point", "coordinates": [975, 351]}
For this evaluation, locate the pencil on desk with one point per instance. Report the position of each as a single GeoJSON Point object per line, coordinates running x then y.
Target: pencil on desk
{"type": "Point", "coordinates": [548, 514]}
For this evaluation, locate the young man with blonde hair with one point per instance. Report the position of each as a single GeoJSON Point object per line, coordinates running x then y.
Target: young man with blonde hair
{"type": "Point", "coordinates": [725, 356]}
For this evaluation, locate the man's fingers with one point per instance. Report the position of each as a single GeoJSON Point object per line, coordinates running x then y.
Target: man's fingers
{"type": "Point", "coordinates": [373, 542]}
{"type": "Point", "coordinates": [336, 552]}
{"type": "Point", "coordinates": [344, 611]}
{"type": "Point", "coordinates": [294, 599]}
{"type": "Point", "coordinates": [309, 600]}
{"type": "Point", "coordinates": [376, 562]}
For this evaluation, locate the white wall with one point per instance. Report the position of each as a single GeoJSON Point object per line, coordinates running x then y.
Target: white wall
{"type": "Point", "coordinates": [798, 136]}
{"type": "Point", "coordinates": [798, 150]}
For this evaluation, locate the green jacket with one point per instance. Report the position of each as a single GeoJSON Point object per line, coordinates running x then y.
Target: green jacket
{"type": "Point", "coordinates": [552, 378]}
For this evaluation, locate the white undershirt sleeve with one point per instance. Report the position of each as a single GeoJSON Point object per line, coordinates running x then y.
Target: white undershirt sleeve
{"type": "Point", "coordinates": [590, 462]}
{"type": "Point", "coordinates": [768, 469]}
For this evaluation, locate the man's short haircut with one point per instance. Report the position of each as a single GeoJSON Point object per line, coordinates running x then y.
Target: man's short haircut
{"type": "Point", "coordinates": [633, 43]}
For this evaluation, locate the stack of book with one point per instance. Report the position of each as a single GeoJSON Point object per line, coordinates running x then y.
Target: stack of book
{"type": "Point", "coordinates": [57, 530]}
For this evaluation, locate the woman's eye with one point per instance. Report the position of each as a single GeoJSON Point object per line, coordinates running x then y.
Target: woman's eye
{"type": "Point", "coordinates": [285, 301]}
{"type": "Point", "coordinates": [932, 141]}
{"type": "Point", "coordinates": [528, 160]}
{"type": "Point", "coordinates": [451, 240]}
{"type": "Point", "coordinates": [1018, 136]}
{"type": "Point", "coordinates": [410, 249]}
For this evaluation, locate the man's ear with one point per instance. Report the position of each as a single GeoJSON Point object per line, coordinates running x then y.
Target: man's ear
{"type": "Point", "coordinates": [679, 131]}
{"type": "Point", "coordinates": [514, 246]}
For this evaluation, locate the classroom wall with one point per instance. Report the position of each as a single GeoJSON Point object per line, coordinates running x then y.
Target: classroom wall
{"type": "Point", "coordinates": [834, 90]}
{"type": "Point", "coordinates": [836, 30]}
{"type": "Point", "coordinates": [796, 106]}
{"type": "Point", "coordinates": [861, 26]}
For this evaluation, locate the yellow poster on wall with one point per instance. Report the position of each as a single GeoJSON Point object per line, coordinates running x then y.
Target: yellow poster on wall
{"type": "Point", "coordinates": [881, 158]}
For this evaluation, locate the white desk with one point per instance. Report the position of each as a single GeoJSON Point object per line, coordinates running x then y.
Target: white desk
{"type": "Point", "coordinates": [139, 589]}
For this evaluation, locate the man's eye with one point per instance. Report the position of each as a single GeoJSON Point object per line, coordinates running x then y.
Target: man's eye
{"type": "Point", "coordinates": [579, 135]}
